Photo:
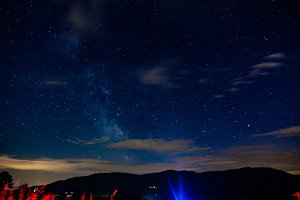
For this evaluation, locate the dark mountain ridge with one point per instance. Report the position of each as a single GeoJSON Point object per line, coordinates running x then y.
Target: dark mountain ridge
{"type": "Point", "coordinates": [239, 184]}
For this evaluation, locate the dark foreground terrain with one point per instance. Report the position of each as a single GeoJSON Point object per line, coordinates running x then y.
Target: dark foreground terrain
{"type": "Point", "coordinates": [238, 184]}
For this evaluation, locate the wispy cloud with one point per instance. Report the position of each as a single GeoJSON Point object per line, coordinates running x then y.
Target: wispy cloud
{"type": "Point", "coordinates": [276, 56]}
{"type": "Point", "coordinates": [267, 65]}
{"type": "Point", "coordinates": [241, 82]}
{"type": "Point", "coordinates": [258, 70]}
{"type": "Point", "coordinates": [285, 132]}
{"type": "Point", "coordinates": [78, 18]}
{"type": "Point", "coordinates": [203, 80]}
{"type": "Point", "coordinates": [156, 76]}
{"type": "Point", "coordinates": [165, 74]}
{"type": "Point", "coordinates": [89, 142]}
{"type": "Point", "coordinates": [234, 89]}
{"type": "Point", "coordinates": [256, 73]}
{"type": "Point", "coordinates": [233, 157]}
{"type": "Point", "coordinates": [52, 82]}
{"type": "Point", "coordinates": [246, 156]}
{"type": "Point", "coordinates": [67, 168]}
{"type": "Point", "coordinates": [56, 83]}
{"type": "Point", "coordinates": [83, 19]}
{"type": "Point", "coordinates": [218, 96]}
{"type": "Point", "coordinates": [159, 146]}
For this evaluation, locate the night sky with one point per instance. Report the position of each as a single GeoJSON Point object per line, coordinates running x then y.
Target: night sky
{"type": "Point", "coordinates": [144, 86]}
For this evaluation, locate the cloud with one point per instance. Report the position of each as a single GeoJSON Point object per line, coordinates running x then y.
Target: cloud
{"type": "Point", "coordinates": [89, 142]}
{"type": "Point", "coordinates": [229, 158]}
{"type": "Point", "coordinates": [83, 19]}
{"type": "Point", "coordinates": [52, 82]}
{"type": "Point", "coordinates": [158, 146]}
{"type": "Point", "coordinates": [78, 19]}
{"type": "Point", "coordinates": [241, 82]}
{"type": "Point", "coordinates": [233, 89]}
{"type": "Point", "coordinates": [267, 65]}
{"type": "Point", "coordinates": [276, 56]}
{"type": "Point", "coordinates": [84, 16]}
{"type": "Point", "coordinates": [272, 61]}
{"type": "Point", "coordinates": [56, 83]}
{"type": "Point", "coordinates": [218, 96]}
{"type": "Point", "coordinates": [285, 132]}
{"type": "Point", "coordinates": [156, 76]}
{"type": "Point", "coordinates": [67, 168]}
{"type": "Point", "coordinates": [203, 80]}
{"type": "Point", "coordinates": [246, 156]}
{"type": "Point", "coordinates": [167, 74]}
{"type": "Point", "coordinates": [259, 70]}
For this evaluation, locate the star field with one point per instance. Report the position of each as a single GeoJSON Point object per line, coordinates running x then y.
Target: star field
{"type": "Point", "coordinates": [143, 86]}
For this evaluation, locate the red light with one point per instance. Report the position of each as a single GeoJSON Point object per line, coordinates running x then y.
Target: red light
{"type": "Point", "coordinates": [83, 196]}
{"type": "Point", "coordinates": [114, 194]}
{"type": "Point", "coordinates": [296, 194]}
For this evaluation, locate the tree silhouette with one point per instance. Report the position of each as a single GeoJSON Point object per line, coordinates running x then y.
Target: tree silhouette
{"type": "Point", "coordinates": [6, 179]}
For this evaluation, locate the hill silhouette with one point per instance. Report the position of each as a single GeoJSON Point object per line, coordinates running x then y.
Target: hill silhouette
{"type": "Point", "coordinates": [236, 184]}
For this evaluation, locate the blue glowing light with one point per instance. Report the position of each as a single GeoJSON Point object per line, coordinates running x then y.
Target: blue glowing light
{"type": "Point", "coordinates": [180, 194]}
